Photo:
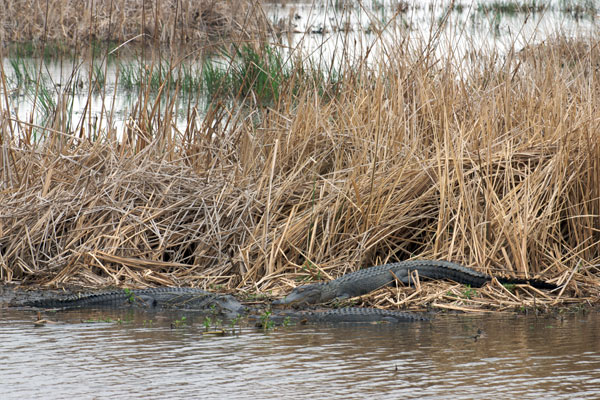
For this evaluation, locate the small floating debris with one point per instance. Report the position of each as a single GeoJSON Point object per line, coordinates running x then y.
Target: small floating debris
{"type": "Point", "coordinates": [219, 332]}
{"type": "Point", "coordinates": [41, 322]}
{"type": "Point", "coordinates": [480, 334]}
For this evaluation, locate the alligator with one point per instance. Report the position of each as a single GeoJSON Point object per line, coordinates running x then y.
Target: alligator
{"type": "Point", "coordinates": [221, 304]}
{"type": "Point", "coordinates": [350, 315]}
{"type": "Point", "coordinates": [366, 280]}
{"type": "Point", "coordinates": [350, 285]}
{"type": "Point", "coordinates": [154, 298]}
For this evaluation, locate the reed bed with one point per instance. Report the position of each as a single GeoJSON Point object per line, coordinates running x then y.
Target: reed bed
{"type": "Point", "coordinates": [495, 165]}
{"type": "Point", "coordinates": [174, 23]}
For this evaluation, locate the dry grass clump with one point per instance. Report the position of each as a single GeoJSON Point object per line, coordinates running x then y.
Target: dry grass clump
{"type": "Point", "coordinates": [170, 22]}
{"type": "Point", "coordinates": [126, 216]}
{"type": "Point", "coordinates": [566, 52]}
{"type": "Point", "coordinates": [497, 169]}
{"type": "Point", "coordinates": [444, 296]}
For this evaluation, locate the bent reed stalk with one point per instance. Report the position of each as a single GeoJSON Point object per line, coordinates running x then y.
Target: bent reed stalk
{"type": "Point", "coordinates": [495, 166]}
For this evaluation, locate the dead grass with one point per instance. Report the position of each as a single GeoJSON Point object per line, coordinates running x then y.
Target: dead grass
{"type": "Point", "coordinates": [176, 23]}
{"type": "Point", "coordinates": [497, 169]}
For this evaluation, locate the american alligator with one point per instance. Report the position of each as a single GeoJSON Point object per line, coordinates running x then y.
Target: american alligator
{"type": "Point", "coordinates": [351, 314]}
{"type": "Point", "coordinates": [350, 285]}
{"type": "Point", "coordinates": [226, 305]}
{"type": "Point", "coordinates": [155, 298]}
{"type": "Point", "coordinates": [366, 280]}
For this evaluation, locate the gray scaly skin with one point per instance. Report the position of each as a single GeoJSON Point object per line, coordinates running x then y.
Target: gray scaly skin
{"type": "Point", "coordinates": [155, 298]}
{"type": "Point", "coordinates": [352, 315]}
{"type": "Point", "coordinates": [366, 280]}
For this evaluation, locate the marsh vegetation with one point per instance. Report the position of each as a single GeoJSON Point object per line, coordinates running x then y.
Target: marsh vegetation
{"type": "Point", "coordinates": [255, 167]}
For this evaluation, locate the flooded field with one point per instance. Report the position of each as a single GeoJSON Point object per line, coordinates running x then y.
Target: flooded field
{"type": "Point", "coordinates": [328, 35]}
{"type": "Point", "coordinates": [143, 355]}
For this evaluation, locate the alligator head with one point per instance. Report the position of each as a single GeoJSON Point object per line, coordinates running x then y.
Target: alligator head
{"type": "Point", "coordinates": [304, 295]}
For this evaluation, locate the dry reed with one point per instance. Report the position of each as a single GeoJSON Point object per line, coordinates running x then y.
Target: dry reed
{"type": "Point", "coordinates": [497, 168]}
{"type": "Point", "coordinates": [176, 23]}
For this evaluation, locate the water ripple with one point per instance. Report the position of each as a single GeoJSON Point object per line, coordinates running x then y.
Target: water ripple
{"type": "Point", "coordinates": [519, 358]}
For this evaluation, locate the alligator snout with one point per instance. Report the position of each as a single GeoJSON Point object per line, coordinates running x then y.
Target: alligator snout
{"type": "Point", "coordinates": [302, 295]}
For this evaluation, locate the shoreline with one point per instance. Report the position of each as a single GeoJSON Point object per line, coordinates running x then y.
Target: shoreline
{"type": "Point", "coordinates": [437, 297]}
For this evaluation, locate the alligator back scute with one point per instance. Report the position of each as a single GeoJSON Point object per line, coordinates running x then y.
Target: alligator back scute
{"type": "Point", "coordinates": [365, 273]}
{"type": "Point", "coordinates": [105, 299]}
{"type": "Point", "coordinates": [164, 297]}
{"type": "Point", "coordinates": [361, 315]}
{"type": "Point", "coordinates": [438, 269]}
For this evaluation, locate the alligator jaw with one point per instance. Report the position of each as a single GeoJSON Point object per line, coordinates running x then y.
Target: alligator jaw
{"type": "Point", "coordinates": [303, 295]}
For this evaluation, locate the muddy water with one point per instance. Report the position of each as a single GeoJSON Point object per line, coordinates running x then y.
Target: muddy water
{"type": "Point", "coordinates": [142, 355]}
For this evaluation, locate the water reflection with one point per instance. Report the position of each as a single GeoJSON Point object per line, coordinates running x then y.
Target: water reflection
{"type": "Point", "coordinates": [143, 356]}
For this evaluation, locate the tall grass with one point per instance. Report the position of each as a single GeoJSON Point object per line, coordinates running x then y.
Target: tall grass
{"type": "Point", "coordinates": [247, 71]}
{"type": "Point", "coordinates": [67, 24]}
{"type": "Point", "coordinates": [491, 165]}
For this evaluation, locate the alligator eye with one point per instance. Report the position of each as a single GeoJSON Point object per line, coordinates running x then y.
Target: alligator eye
{"type": "Point", "coordinates": [306, 288]}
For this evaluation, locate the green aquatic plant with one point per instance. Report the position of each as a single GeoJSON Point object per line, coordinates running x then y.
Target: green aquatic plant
{"type": "Point", "coordinates": [44, 103]}
{"type": "Point", "coordinates": [266, 322]}
{"type": "Point", "coordinates": [98, 80]}
{"type": "Point", "coordinates": [216, 82]}
{"type": "Point", "coordinates": [47, 51]}
{"type": "Point", "coordinates": [469, 292]}
{"type": "Point", "coordinates": [234, 322]}
{"type": "Point", "coordinates": [179, 323]}
{"type": "Point", "coordinates": [207, 323]}
{"type": "Point", "coordinates": [213, 322]}
{"type": "Point", "coordinates": [261, 72]}
{"type": "Point", "coordinates": [510, 287]}
{"type": "Point", "coordinates": [313, 273]}
{"type": "Point", "coordinates": [247, 72]}
{"type": "Point", "coordinates": [130, 295]}
{"type": "Point", "coordinates": [136, 74]}
{"type": "Point", "coordinates": [21, 72]}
